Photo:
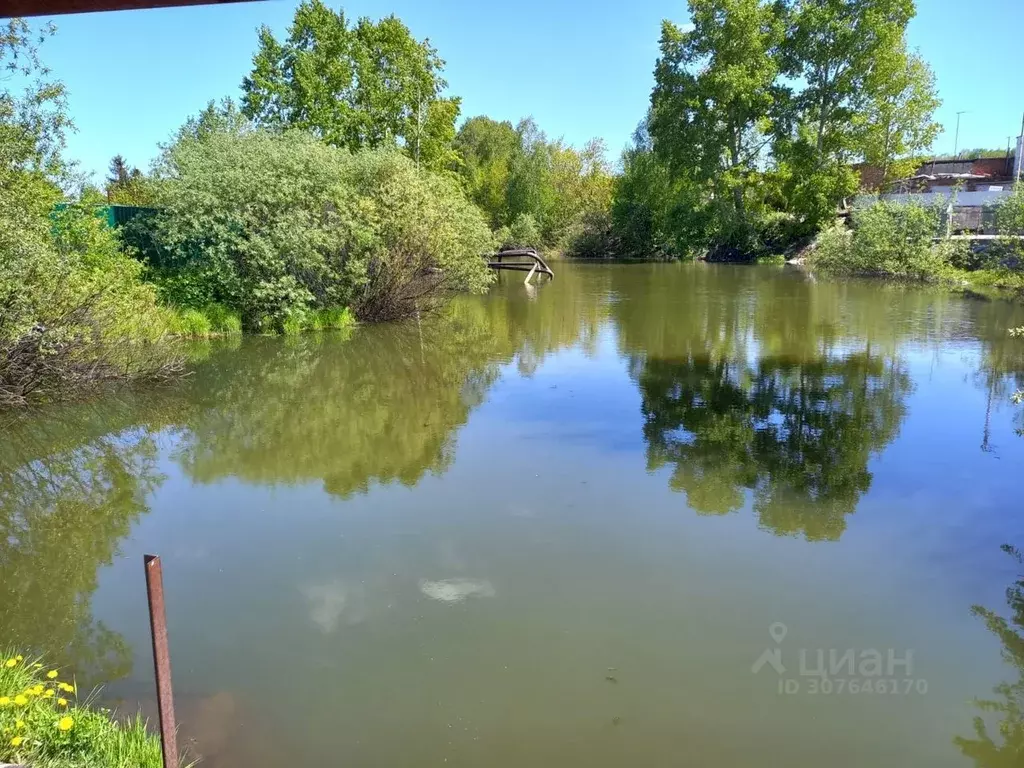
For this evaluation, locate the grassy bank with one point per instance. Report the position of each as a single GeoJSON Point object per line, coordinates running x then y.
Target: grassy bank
{"type": "Point", "coordinates": [46, 724]}
{"type": "Point", "coordinates": [215, 320]}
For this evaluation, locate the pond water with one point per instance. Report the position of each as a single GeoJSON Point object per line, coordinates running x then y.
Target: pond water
{"type": "Point", "coordinates": [557, 526]}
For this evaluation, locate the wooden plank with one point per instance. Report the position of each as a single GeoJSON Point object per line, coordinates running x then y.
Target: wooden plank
{"type": "Point", "coordinates": [60, 7]}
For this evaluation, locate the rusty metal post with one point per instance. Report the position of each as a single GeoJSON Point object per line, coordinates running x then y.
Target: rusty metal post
{"type": "Point", "coordinates": [161, 659]}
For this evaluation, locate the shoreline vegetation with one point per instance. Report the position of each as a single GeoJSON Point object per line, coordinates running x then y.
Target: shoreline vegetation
{"type": "Point", "coordinates": [908, 240]}
{"type": "Point", "coordinates": [294, 210]}
{"type": "Point", "coordinates": [46, 724]}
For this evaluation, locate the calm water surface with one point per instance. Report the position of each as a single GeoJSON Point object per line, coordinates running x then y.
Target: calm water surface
{"type": "Point", "coordinates": [557, 528]}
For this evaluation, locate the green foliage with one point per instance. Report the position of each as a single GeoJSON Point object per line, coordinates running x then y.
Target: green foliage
{"type": "Point", "coordinates": [582, 183]}
{"type": "Point", "coordinates": [367, 85]}
{"type": "Point", "coordinates": [896, 124]}
{"type": "Point", "coordinates": [888, 238]}
{"type": "Point", "coordinates": [426, 240]}
{"type": "Point", "coordinates": [75, 311]}
{"type": "Point", "coordinates": [223, 321]}
{"type": "Point", "coordinates": [1010, 226]}
{"type": "Point", "coordinates": [256, 222]}
{"type": "Point", "coordinates": [758, 110]}
{"type": "Point", "coordinates": [293, 325]}
{"type": "Point", "coordinates": [274, 225]}
{"type": "Point", "coordinates": [330, 319]}
{"type": "Point", "coordinates": [517, 175]}
{"type": "Point", "coordinates": [190, 323]}
{"type": "Point", "coordinates": [851, 60]}
{"type": "Point", "coordinates": [1000, 279]}
{"type": "Point", "coordinates": [595, 238]}
{"type": "Point", "coordinates": [34, 122]}
{"type": "Point", "coordinates": [486, 149]}
{"type": "Point", "coordinates": [710, 105]}
{"type": "Point", "coordinates": [43, 721]}
{"type": "Point", "coordinates": [126, 185]}
{"type": "Point", "coordinates": [644, 198]}
{"type": "Point", "coordinates": [524, 233]}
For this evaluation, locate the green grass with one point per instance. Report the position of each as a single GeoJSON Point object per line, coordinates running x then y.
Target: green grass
{"type": "Point", "coordinates": [996, 278]}
{"type": "Point", "coordinates": [211, 320]}
{"type": "Point", "coordinates": [333, 319]}
{"type": "Point", "coordinates": [190, 323]}
{"type": "Point", "coordinates": [223, 321]}
{"type": "Point", "coordinates": [293, 326]}
{"type": "Point", "coordinates": [44, 723]}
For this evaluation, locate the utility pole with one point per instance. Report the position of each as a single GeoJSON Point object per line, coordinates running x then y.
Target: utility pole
{"type": "Point", "coordinates": [956, 140]}
{"type": "Point", "coordinates": [1020, 151]}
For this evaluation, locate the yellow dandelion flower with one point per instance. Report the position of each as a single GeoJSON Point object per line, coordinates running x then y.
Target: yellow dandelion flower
{"type": "Point", "coordinates": [37, 688]}
{"type": "Point", "coordinates": [66, 723]}
{"type": "Point", "coordinates": [51, 674]}
{"type": "Point", "coordinates": [10, 662]}
{"type": "Point", "coordinates": [48, 693]}
{"type": "Point", "coordinates": [66, 687]}
{"type": "Point", "coordinates": [19, 724]}
{"type": "Point", "coordinates": [62, 702]}
{"type": "Point", "coordinates": [19, 657]}
{"type": "Point", "coordinates": [4, 701]}
{"type": "Point", "coordinates": [20, 700]}
{"type": "Point", "coordinates": [37, 665]}
{"type": "Point", "coordinates": [16, 741]}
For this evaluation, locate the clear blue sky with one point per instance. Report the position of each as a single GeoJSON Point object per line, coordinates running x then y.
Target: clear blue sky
{"type": "Point", "coordinates": [582, 68]}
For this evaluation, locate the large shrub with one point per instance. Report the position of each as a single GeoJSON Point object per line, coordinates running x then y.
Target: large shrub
{"type": "Point", "coordinates": [1010, 225]}
{"type": "Point", "coordinates": [425, 241]}
{"type": "Point", "coordinates": [888, 238]}
{"type": "Point", "coordinates": [73, 309]}
{"type": "Point", "coordinates": [277, 225]}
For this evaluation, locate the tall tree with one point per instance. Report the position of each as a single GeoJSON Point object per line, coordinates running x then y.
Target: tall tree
{"type": "Point", "coordinates": [120, 173]}
{"type": "Point", "coordinates": [896, 124]}
{"type": "Point", "coordinates": [363, 85]}
{"type": "Point", "coordinates": [127, 185]}
{"type": "Point", "coordinates": [530, 189]}
{"type": "Point", "coordinates": [839, 48]}
{"type": "Point", "coordinates": [712, 98]}
{"type": "Point", "coordinates": [541, 189]}
{"type": "Point", "coordinates": [843, 52]}
{"type": "Point", "coordinates": [486, 149]}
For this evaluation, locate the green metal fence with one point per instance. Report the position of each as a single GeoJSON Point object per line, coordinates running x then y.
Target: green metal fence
{"type": "Point", "coordinates": [114, 215]}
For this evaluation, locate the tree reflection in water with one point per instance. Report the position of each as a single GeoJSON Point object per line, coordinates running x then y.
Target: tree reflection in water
{"type": "Point", "coordinates": [796, 433]}
{"type": "Point", "coordinates": [65, 504]}
{"type": "Point", "coordinates": [1002, 747]}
